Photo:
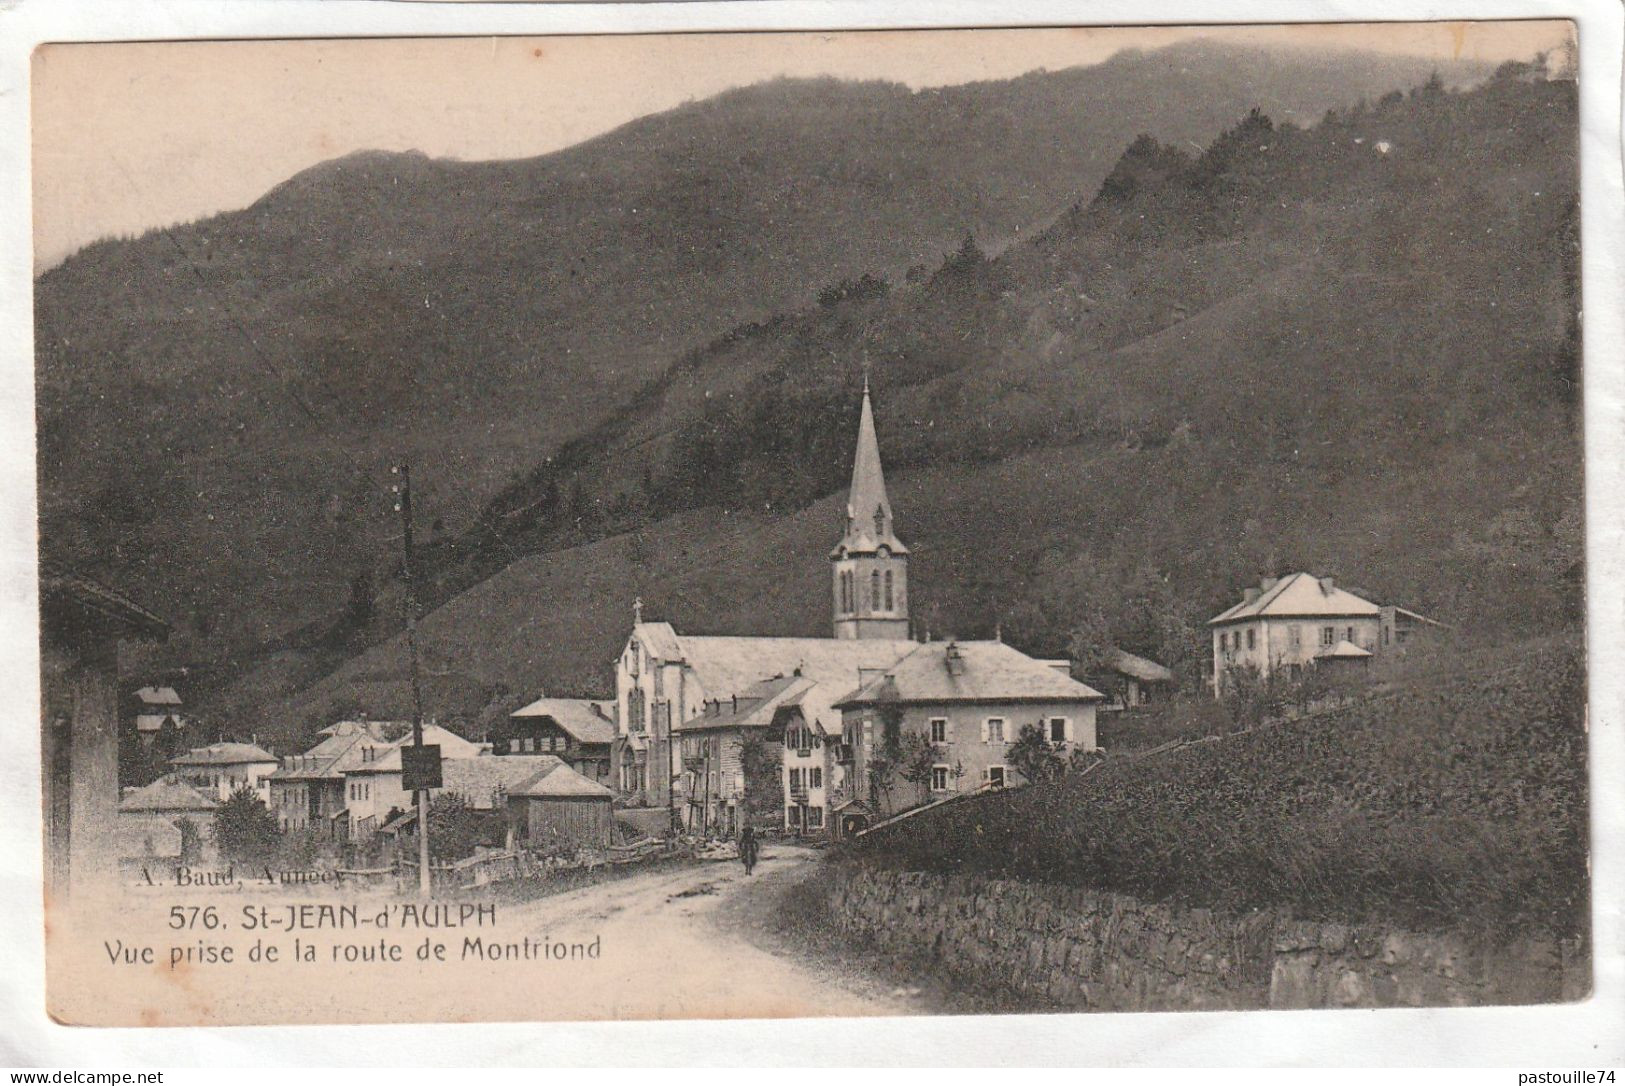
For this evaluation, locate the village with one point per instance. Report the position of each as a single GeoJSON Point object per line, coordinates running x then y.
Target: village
{"type": "Point", "coordinates": [815, 740]}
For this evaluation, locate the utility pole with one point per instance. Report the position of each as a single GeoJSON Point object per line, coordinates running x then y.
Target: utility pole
{"type": "Point", "coordinates": [419, 795]}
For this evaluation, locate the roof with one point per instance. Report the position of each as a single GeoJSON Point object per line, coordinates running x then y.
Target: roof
{"type": "Point", "coordinates": [982, 671]}
{"type": "Point", "coordinates": [1299, 594]}
{"type": "Point", "coordinates": [756, 705]}
{"type": "Point", "coordinates": [868, 509]}
{"type": "Point", "coordinates": [1343, 650]}
{"type": "Point", "coordinates": [725, 666]}
{"type": "Point", "coordinates": [224, 754]}
{"type": "Point", "coordinates": [328, 759]}
{"type": "Point", "coordinates": [61, 583]}
{"type": "Point", "coordinates": [158, 695]}
{"type": "Point", "coordinates": [578, 716]}
{"type": "Point", "coordinates": [479, 780]}
{"type": "Point", "coordinates": [152, 722]}
{"type": "Point", "coordinates": [559, 781]}
{"type": "Point", "coordinates": [166, 794]}
{"type": "Point", "coordinates": [386, 758]}
{"type": "Point", "coordinates": [1138, 667]}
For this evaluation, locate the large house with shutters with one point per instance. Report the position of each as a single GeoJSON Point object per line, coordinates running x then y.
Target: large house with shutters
{"type": "Point", "coordinates": [1290, 624]}
{"type": "Point", "coordinates": [689, 708]}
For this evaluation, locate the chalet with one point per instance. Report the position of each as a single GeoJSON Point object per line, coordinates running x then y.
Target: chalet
{"type": "Point", "coordinates": [577, 731]}
{"type": "Point", "coordinates": [219, 769]}
{"type": "Point", "coordinates": [1130, 681]}
{"type": "Point", "coordinates": [156, 707]}
{"type": "Point", "coordinates": [1289, 624]}
{"type": "Point", "coordinates": [965, 702]}
{"type": "Point", "coordinates": [81, 625]}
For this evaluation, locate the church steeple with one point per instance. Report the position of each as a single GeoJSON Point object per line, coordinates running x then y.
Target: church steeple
{"type": "Point", "coordinates": [870, 562]}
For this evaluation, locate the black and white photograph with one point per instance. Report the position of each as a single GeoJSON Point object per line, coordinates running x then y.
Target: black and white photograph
{"type": "Point", "coordinates": [917, 522]}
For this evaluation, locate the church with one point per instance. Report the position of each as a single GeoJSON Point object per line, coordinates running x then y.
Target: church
{"type": "Point", "coordinates": [703, 722]}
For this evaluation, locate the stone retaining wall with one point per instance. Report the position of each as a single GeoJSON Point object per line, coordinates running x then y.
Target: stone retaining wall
{"type": "Point", "coordinates": [1087, 950]}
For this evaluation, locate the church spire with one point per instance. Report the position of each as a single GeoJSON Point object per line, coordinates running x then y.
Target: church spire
{"type": "Point", "coordinates": [868, 510]}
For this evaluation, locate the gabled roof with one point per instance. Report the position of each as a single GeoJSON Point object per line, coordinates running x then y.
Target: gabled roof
{"type": "Point", "coordinates": [158, 695]}
{"type": "Point", "coordinates": [577, 716]}
{"type": "Point", "coordinates": [480, 780]}
{"type": "Point", "coordinates": [725, 666]}
{"type": "Point", "coordinates": [755, 706]}
{"type": "Point", "coordinates": [1299, 594]}
{"type": "Point", "coordinates": [1343, 650]}
{"type": "Point", "coordinates": [373, 757]}
{"type": "Point", "coordinates": [225, 754]}
{"type": "Point", "coordinates": [164, 795]}
{"type": "Point", "coordinates": [1138, 667]}
{"type": "Point", "coordinates": [152, 722]}
{"type": "Point", "coordinates": [558, 781]}
{"type": "Point", "coordinates": [969, 671]}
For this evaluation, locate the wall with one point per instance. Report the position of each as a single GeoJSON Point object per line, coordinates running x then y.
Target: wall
{"type": "Point", "coordinates": [1088, 950]}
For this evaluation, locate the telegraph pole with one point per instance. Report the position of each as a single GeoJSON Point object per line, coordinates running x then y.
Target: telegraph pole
{"type": "Point", "coordinates": [419, 795]}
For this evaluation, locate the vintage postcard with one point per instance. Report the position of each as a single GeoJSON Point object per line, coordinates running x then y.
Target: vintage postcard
{"type": "Point", "coordinates": [811, 524]}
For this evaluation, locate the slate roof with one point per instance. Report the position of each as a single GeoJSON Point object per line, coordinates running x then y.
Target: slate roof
{"type": "Point", "coordinates": [166, 794]}
{"type": "Point", "coordinates": [1343, 650]}
{"type": "Point", "coordinates": [574, 715]}
{"type": "Point", "coordinates": [726, 666]}
{"type": "Point", "coordinates": [479, 780]}
{"type": "Point", "coordinates": [1138, 667]}
{"type": "Point", "coordinates": [867, 494]}
{"type": "Point", "coordinates": [158, 695]}
{"type": "Point", "coordinates": [1299, 594]}
{"type": "Point", "coordinates": [982, 671]}
{"type": "Point", "coordinates": [558, 781]}
{"type": "Point", "coordinates": [224, 754]}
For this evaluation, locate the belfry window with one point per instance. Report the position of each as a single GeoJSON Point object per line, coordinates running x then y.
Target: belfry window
{"type": "Point", "coordinates": [880, 521]}
{"type": "Point", "coordinates": [888, 590]}
{"type": "Point", "coordinates": [874, 590]}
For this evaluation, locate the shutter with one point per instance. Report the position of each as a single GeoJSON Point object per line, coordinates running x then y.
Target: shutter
{"type": "Point", "coordinates": [984, 729]}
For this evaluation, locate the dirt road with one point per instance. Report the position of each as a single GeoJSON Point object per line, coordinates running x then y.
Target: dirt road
{"type": "Point", "coordinates": [678, 943]}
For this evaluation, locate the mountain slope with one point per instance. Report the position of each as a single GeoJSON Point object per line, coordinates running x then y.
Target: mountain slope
{"type": "Point", "coordinates": [218, 403]}
{"type": "Point", "coordinates": [1349, 349]}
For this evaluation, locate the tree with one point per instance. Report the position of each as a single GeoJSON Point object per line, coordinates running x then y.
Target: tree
{"type": "Point", "coordinates": [244, 830]}
{"type": "Point", "coordinates": [919, 759]}
{"type": "Point", "coordinates": [760, 762]}
{"type": "Point", "coordinates": [191, 841]}
{"type": "Point", "coordinates": [1034, 756]}
{"type": "Point", "coordinates": [456, 829]}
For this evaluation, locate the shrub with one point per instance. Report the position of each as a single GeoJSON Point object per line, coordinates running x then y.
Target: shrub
{"type": "Point", "coordinates": [1455, 803]}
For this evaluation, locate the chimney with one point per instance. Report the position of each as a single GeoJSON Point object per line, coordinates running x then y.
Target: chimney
{"type": "Point", "coordinates": [952, 658]}
{"type": "Point", "coordinates": [1266, 583]}
{"type": "Point", "coordinates": [1250, 595]}
{"type": "Point", "coordinates": [1328, 585]}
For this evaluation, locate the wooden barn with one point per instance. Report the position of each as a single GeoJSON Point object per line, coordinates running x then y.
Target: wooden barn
{"type": "Point", "coordinates": [558, 806]}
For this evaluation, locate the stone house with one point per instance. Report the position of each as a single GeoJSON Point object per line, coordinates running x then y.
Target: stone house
{"type": "Point", "coordinates": [1290, 624]}
{"type": "Point", "coordinates": [219, 769]}
{"type": "Point", "coordinates": [149, 821]}
{"type": "Point", "coordinates": [967, 701]}
{"type": "Point", "coordinates": [372, 777]}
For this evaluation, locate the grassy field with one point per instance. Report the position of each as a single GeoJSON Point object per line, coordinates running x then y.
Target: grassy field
{"type": "Point", "coordinates": [1454, 800]}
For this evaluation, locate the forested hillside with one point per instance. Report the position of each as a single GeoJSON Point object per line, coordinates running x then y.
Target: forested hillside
{"type": "Point", "coordinates": [219, 403]}
{"type": "Point", "coordinates": [1349, 347]}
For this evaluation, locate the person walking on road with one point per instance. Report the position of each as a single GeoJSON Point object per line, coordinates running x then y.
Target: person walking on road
{"type": "Point", "coordinates": [747, 848]}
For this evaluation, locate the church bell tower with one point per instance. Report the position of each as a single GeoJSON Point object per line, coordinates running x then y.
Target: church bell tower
{"type": "Point", "coordinates": [869, 564]}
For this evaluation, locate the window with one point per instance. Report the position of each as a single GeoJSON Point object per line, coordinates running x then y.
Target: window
{"type": "Point", "coordinates": [1385, 635]}
{"type": "Point", "coordinates": [1351, 635]}
{"type": "Point", "coordinates": [1252, 639]}
{"type": "Point", "coordinates": [815, 777]}
{"type": "Point", "coordinates": [874, 590]}
{"type": "Point", "coordinates": [888, 590]}
{"type": "Point", "coordinates": [939, 729]}
{"type": "Point", "coordinates": [939, 778]}
{"type": "Point", "coordinates": [1057, 729]}
{"type": "Point", "coordinates": [1295, 635]}
{"type": "Point", "coordinates": [995, 776]}
{"type": "Point", "coordinates": [792, 817]}
{"type": "Point", "coordinates": [994, 729]}
{"type": "Point", "coordinates": [795, 779]}
{"type": "Point", "coordinates": [1328, 636]}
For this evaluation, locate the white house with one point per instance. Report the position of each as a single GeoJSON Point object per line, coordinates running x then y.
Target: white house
{"type": "Point", "coordinates": [1292, 623]}
{"type": "Point", "coordinates": [219, 769]}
